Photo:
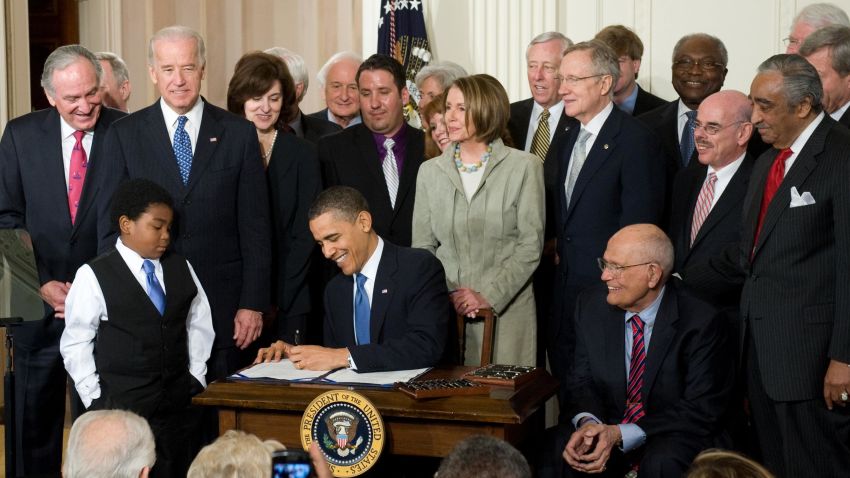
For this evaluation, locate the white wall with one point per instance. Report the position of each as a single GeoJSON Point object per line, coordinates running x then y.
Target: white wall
{"type": "Point", "coordinates": [490, 36]}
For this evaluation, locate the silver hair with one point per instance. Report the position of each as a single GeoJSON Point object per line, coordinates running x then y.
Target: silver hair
{"type": "Point", "coordinates": [819, 15]}
{"type": "Point", "coordinates": [445, 72]}
{"type": "Point", "coordinates": [800, 80]}
{"type": "Point", "coordinates": [547, 37]}
{"type": "Point", "coordinates": [603, 58]}
{"type": "Point", "coordinates": [721, 48]}
{"type": "Point", "coordinates": [119, 68]}
{"type": "Point", "coordinates": [61, 58]}
{"type": "Point", "coordinates": [179, 32]}
{"type": "Point", "coordinates": [128, 449]}
{"type": "Point", "coordinates": [295, 63]}
{"type": "Point", "coordinates": [482, 455]}
{"type": "Point", "coordinates": [837, 39]}
{"type": "Point", "coordinates": [322, 75]}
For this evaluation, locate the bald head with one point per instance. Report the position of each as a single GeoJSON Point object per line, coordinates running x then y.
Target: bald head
{"type": "Point", "coordinates": [724, 128]}
{"type": "Point", "coordinates": [112, 443]}
{"type": "Point", "coordinates": [646, 243]}
{"type": "Point", "coordinates": [637, 263]}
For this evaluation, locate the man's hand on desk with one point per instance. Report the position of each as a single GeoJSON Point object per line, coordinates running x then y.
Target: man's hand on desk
{"type": "Point", "coordinates": [305, 357]}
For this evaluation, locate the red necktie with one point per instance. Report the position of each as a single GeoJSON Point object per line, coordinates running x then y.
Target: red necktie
{"type": "Point", "coordinates": [774, 179]}
{"type": "Point", "coordinates": [76, 174]}
{"type": "Point", "coordinates": [637, 365]}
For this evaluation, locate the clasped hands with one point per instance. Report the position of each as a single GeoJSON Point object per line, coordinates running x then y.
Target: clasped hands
{"type": "Point", "coordinates": [468, 302]}
{"type": "Point", "coordinates": [305, 357]}
{"type": "Point", "coordinates": [590, 447]}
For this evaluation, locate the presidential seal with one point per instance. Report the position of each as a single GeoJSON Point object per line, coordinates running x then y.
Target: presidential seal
{"type": "Point", "coordinates": [347, 428]}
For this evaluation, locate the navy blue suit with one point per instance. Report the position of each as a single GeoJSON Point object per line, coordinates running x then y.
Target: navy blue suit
{"type": "Point", "coordinates": [221, 222]}
{"type": "Point", "coordinates": [409, 315]}
{"type": "Point", "coordinates": [34, 196]}
{"type": "Point", "coordinates": [621, 183]}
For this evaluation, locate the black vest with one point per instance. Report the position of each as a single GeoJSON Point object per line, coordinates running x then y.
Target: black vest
{"type": "Point", "coordinates": [143, 358]}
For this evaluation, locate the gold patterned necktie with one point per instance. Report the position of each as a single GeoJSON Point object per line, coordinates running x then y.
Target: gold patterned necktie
{"type": "Point", "coordinates": [540, 142]}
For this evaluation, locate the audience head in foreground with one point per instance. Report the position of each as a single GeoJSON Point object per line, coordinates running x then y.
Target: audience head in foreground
{"type": "Point", "coordinates": [109, 444]}
{"type": "Point", "coordinates": [725, 464]}
{"type": "Point", "coordinates": [484, 456]}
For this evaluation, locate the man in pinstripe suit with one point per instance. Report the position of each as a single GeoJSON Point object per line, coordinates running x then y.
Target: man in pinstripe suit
{"type": "Point", "coordinates": [794, 259]}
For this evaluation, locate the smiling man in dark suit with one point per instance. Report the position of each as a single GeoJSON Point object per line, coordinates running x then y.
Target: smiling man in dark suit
{"type": "Point", "coordinates": [652, 374]}
{"type": "Point", "coordinates": [380, 157]}
{"type": "Point", "coordinates": [608, 171]}
{"type": "Point", "coordinates": [793, 258]}
{"type": "Point", "coordinates": [388, 310]}
{"type": "Point", "coordinates": [50, 164]}
{"type": "Point", "coordinates": [209, 160]}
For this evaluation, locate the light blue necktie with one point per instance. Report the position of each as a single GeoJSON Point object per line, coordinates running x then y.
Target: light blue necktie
{"type": "Point", "coordinates": [154, 289]}
{"type": "Point", "coordinates": [183, 149]}
{"type": "Point", "coordinates": [362, 311]}
{"type": "Point", "coordinates": [686, 146]}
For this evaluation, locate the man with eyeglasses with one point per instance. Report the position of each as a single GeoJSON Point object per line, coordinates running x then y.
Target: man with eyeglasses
{"type": "Point", "coordinates": [811, 18]}
{"type": "Point", "coordinates": [606, 171]}
{"type": "Point", "coordinates": [828, 50]}
{"type": "Point", "coordinates": [794, 261]}
{"type": "Point", "coordinates": [339, 87]}
{"type": "Point", "coordinates": [652, 373]}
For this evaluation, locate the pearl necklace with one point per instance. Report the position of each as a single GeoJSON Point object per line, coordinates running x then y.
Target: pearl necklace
{"type": "Point", "coordinates": [268, 154]}
{"type": "Point", "coordinates": [471, 168]}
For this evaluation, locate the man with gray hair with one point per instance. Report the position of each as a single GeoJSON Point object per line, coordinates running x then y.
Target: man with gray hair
{"type": "Point", "coordinates": [585, 183]}
{"type": "Point", "coordinates": [209, 160]}
{"type": "Point", "coordinates": [339, 87]}
{"type": "Point", "coordinates": [652, 374]}
{"type": "Point", "coordinates": [484, 456]}
{"type": "Point", "coordinates": [536, 121]}
{"type": "Point", "coordinates": [811, 18]}
{"type": "Point", "coordinates": [109, 444]}
{"type": "Point", "coordinates": [304, 126]}
{"type": "Point", "coordinates": [435, 78]}
{"type": "Point", "coordinates": [115, 83]}
{"type": "Point", "coordinates": [50, 164]}
{"type": "Point", "coordinates": [828, 50]}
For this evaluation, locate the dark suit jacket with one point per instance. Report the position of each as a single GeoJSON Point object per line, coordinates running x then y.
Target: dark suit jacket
{"type": "Point", "coordinates": [315, 128]}
{"type": "Point", "coordinates": [321, 114]}
{"type": "Point", "coordinates": [795, 297]}
{"type": "Point", "coordinates": [621, 183]}
{"type": "Point", "coordinates": [350, 158]}
{"type": "Point", "coordinates": [688, 377]}
{"type": "Point", "coordinates": [845, 118]}
{"type": "Point", "coordinates": [521, 116]}
{"type": "Point", "coordinates": [221, 216]}
{"type": "Point", "coordinates": [646, 101]}
{"type": "Point", "coordinates": [294, 182]}
{"type": "Point", "coordinates": [410, 312]}
{"type": "Point", "coordinates": [34, 195]}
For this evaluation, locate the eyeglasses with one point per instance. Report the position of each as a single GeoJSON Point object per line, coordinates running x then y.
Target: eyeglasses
{"type": "Point", "coordinates": [712, 129]}
{"type": "Point", "coordinates": [614, 269]}
{"type": "Point", "coordinates": [791, 41]}
{"type": "Point", "coordinates": [705, 64]}
{"type": "Point", "coordinates": [573, 80]}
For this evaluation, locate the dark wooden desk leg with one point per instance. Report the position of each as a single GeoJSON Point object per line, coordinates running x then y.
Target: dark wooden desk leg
{"type": "Point", "coordinates": [226, 420]}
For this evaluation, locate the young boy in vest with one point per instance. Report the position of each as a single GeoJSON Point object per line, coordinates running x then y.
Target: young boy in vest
{"type": "Point", "coordinates": [138, 328]}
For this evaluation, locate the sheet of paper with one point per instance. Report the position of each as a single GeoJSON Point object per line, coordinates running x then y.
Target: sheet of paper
{"type": "Point", "coordinates": [374, 378]}
{"type": "Point", "coordinates": [283, 370]}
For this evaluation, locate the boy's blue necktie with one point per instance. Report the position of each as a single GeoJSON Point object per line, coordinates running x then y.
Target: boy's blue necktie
{"type": "Point", "coordinates": [362, 311]}
{"type": "Point", "coordinates": [155, 291]}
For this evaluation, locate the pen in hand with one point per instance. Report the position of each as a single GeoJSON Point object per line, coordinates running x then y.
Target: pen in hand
{"type": "Point", "coordinates": [297, 339]}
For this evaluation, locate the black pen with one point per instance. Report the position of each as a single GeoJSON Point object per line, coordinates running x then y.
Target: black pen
{"type": "Point", "coordinates": [297, 337]}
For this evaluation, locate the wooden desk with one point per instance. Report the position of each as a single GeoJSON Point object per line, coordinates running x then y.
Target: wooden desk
{"type": "Point", "coordinates": [417, 428]}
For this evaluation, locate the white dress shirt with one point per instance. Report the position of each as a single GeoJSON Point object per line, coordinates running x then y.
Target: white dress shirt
{"type": "Point", "coordinates": [724, 176]}
{"type": "Point", "coordinates": [837, 114]}
{"type": "Point", "coordinates": [801, 141]}
{"type": "Point", "coordinates": [68, 142]}
{"type": "Point", "coordinates": [85, 307]}
{"type": "Point", "coordinates": [193, 121]}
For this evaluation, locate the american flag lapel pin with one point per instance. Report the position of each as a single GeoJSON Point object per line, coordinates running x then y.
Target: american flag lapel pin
{"type": "Point", "coordinates": [383, 291]}
{"type": "Point", "coordinates": [213, 139]}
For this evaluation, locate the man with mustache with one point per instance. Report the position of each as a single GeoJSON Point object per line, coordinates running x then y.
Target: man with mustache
{"type": "Point", "coordinates": [388, 310]}
{"type": "Point", "coordinates": [381, 156]}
